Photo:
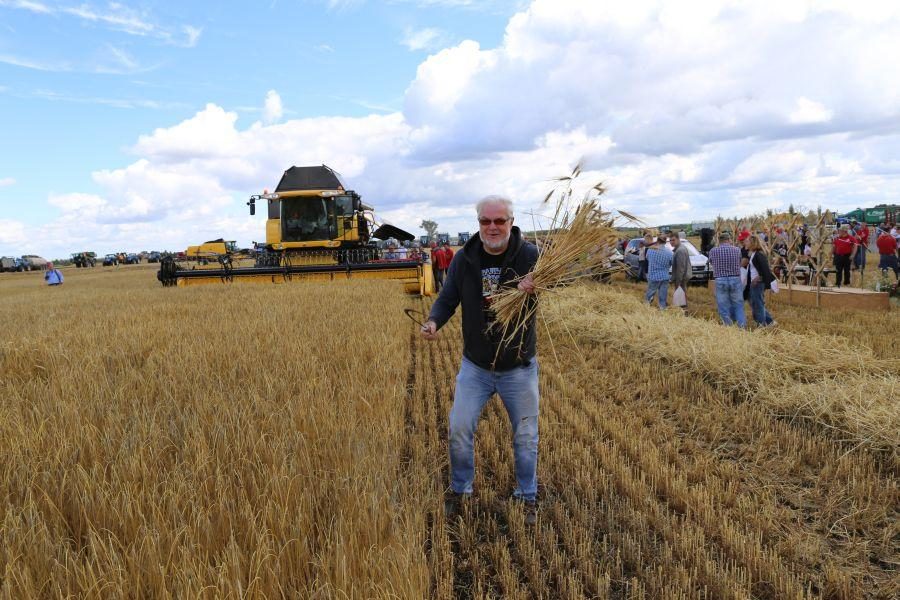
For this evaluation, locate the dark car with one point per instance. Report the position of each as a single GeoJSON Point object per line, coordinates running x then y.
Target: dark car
{"type": "Point", "coordinates": [110, 260]}
{"type": "Point", "coordinates": [132, 259]}
{"type": "Point", "coordinates": [153, 257]}
{"type": "Point", "coordinates": [700, 270]}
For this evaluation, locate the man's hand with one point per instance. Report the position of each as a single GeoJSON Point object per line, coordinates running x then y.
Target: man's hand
{"type": "Point", "coordinates": [429, 330]}
{"type": "Point", "coordinates": [527, 284]}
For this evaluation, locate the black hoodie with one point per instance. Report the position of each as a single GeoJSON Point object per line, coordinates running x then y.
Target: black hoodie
{"type": "Point", "coordinates": [463, 285]}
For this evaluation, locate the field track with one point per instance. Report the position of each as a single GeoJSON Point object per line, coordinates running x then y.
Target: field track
{"type": "Point", "coordinates": [263, 442]}
{"type": "Point", "coordinates": [656, 485]}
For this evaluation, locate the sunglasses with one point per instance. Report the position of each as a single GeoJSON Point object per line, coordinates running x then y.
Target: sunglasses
{"type": "Point", "coordinates": [498, 222]}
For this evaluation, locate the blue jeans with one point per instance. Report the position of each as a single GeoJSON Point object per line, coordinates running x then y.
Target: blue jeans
{"type": "Point", "coordinates": [758, 304]}
{"type": "Point", "coordinates": [730, 301]}
{"type": "Point", "coordinates": [659, 289]}
{"type": "Point", "coordinates": [518, 388]}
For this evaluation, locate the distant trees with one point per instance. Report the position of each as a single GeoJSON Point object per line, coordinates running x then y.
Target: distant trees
{"type": "Point", "coordinates": [430, 228]}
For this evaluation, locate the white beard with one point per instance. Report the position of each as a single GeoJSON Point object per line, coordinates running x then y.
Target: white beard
{"type": "Point", "coordinates": [499, 245]}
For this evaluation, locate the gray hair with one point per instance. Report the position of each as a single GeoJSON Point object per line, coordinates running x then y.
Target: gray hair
{"type": "Point", "coordinates": [506, 202]}
{"type": "Point", "coordinates": [725, 237]}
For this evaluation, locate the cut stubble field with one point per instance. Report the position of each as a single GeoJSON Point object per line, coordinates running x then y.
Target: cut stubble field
{"type": "Point", "coordinates": [290, 441]}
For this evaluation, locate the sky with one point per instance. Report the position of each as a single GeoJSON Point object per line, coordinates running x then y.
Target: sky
{"type": "Point", "coordinates": [128, 126]}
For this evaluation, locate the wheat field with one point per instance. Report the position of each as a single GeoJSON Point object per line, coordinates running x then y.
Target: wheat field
{"type": "Point", "coordinates": [290, 441]}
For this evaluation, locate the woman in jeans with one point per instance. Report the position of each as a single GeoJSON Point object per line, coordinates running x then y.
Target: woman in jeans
{"type": "Point", "coordinates": [759, 279]}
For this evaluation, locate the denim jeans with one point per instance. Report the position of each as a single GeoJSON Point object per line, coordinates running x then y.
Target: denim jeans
{"type": "Point", "coordinates": [730, 301]}
{"type": "Point", "coordinates": [758, 304]}
{"type": "Point", "coordinates": [659, 289]}
{"type": "Point", "coordinates": [518, 389]}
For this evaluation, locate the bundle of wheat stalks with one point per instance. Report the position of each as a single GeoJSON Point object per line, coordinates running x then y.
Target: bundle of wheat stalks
{"type": "Point", "coordinates": [579, 242]}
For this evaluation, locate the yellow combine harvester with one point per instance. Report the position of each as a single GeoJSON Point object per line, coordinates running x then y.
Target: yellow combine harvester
{"type": "Point", "coordinates": [316, 231]}
{"type": "Point", "coordinates": [211, 250]}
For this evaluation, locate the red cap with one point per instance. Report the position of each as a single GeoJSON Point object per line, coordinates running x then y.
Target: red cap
{"type": "Point", "coordinates": [743, 235]}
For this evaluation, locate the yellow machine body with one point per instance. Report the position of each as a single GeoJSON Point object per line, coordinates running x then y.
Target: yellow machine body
{"type": "Point", "coordinates": [415, 279]}
{"type": "Point", "coordinates": [210, 250]}
{"type": "Point", "coordinates": [316, 230]}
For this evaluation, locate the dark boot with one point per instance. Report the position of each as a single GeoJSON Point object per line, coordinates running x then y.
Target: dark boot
{"type": "Point", "coordinates": [529, 509]}
{"type": "Point", "coordinates": [454, 504]}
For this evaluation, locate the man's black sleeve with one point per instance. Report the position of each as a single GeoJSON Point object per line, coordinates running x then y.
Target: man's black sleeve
{"type": "Point", "coordinates": [447, 301]}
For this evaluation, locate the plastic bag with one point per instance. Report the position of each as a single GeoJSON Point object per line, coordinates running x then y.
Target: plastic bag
{"type": "Point", "coordinates": [744, 275]}
{"type": "Point", "coordinates": [679, 298]}
{"type": "Point", "coordinates": [774, 286]}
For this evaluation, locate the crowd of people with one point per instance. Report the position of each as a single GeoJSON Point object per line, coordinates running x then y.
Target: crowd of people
{"type": "Point", "coordinates": [850, 245]}
{"type": "Point", "coordinates": [743, 273]}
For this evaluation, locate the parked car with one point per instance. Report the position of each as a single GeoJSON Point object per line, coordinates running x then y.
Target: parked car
{"type": "Point", "coordinates": [110, 260]}
{"type": "Point", "coordinates": [132, 259]}
{"type": "Point", "coordinates": [153, 257]}
{"type": "Point", "coordinates": [700, 269]}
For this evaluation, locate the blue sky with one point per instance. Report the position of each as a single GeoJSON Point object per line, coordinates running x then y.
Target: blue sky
{"type": "Point", "coordinates": [80, 82]}
{"type": "Point", "coordinates": [137, 125]}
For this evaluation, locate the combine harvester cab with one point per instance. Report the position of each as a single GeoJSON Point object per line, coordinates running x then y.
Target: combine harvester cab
{"type": "Point", "coordinates": [316, 230]}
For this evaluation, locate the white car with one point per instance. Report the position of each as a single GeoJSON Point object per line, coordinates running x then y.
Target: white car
{"type": "Point", "coordinates": [700, 269]}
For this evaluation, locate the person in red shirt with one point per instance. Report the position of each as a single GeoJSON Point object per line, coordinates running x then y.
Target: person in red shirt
{"type": "Point", "coordinates": [436, 253]}
{"type": "Point", "coordinates": [887, 247]}
{"type": "Point", "coordinates": [861, 232]}
{"type": "Point", "coordinates": [440, 262]}
{"type": "Point", "coordinates": [844, 246]}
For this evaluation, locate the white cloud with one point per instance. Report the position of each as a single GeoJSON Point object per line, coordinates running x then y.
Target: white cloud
{"type": "Point", "coordinates": [13, 234]}
{"type": "Point", "coordinates": [35, 7]}
{"type": "Point", "coordinates": [344, 4]}
{"type": "Point", "coordinates": [209, 133]}
{"type": "Point", "coordinates": [685, 112]}
{"type": "Point", "coordinates": [7, 181]}
{"type": "Point", "coordinates": [36, 65]}
{"type": "Point", "coordinates": [115, 16]}
{"type": "Point", "coordinates": [810, 111]}
{"type": "Point", "coordinates": [191, 34]}
{"type": "Point", "coordinates": [661, 79]}
{"type": "Point", "coordinates": [427, 38]}
{"type": "Point", "coordinates": [116, 61]}
{"type": "Point", "coordinates": [478, 5]}
{"type": "Point", "coordinates": [272, 109]}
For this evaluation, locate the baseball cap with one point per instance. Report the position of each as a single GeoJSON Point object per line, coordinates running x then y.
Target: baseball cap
{"type": "Point", "coordinates": [743, 235]}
